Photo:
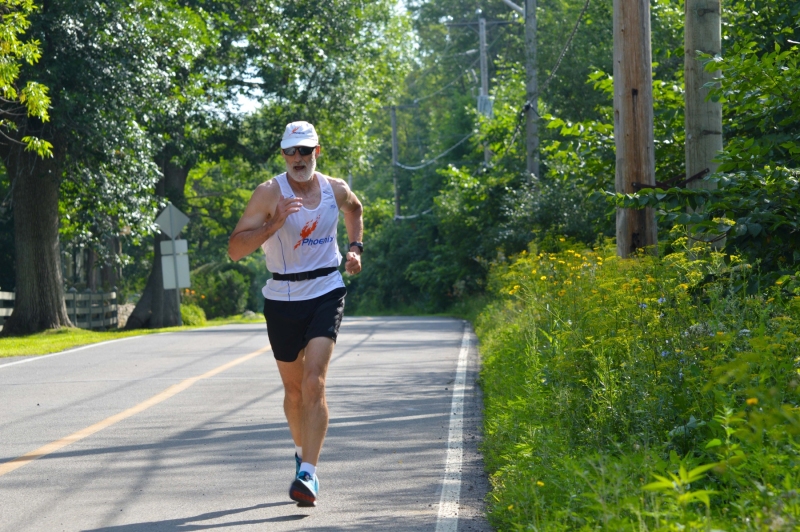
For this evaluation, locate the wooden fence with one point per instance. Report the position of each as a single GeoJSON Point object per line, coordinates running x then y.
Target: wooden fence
{"type": "Point", "coordinates": [6, 306]}
{"type": "Point", "coordinates": [87, 310]}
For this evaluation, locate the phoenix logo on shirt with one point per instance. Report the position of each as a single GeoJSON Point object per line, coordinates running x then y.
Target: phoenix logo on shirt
{"type": "Point", "coordinates": [306, 231]}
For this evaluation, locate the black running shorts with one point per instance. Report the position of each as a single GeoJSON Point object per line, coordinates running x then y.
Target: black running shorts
{"type": "Point", "coordinates": [292, 324]}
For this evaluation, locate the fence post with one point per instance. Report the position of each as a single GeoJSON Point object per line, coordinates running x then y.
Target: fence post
{"type": "Point", "coordinates": [91, 294]}
{"type": "Point", "coordinates": [102, 310]}
{"type": "Point", "coordinates": [115, 307]}
{"type": "Point", "coordinates": [72, 291]}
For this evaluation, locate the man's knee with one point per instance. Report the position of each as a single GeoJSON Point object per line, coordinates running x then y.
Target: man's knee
{"type": "Point", "coordinates": [294, 392]}
{"type": "Point", "coordinates": [313, 387]}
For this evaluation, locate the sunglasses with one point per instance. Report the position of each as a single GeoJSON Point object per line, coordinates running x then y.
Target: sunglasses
{"type": "Point", "coordinates": [304, 150]}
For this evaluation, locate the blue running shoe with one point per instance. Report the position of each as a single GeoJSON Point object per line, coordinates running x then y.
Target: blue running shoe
{"type": "Point", "coordinates": [298, 462]}
{"type": "Point", "coordinates": [304, 489]}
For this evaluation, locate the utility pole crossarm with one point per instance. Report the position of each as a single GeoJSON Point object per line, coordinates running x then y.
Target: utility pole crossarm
{"type": "Point", "coordinates": [515, 7]}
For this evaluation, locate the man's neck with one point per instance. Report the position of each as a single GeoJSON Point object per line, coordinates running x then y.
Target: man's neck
{"type": "Point", "coordinates": [303, 187]}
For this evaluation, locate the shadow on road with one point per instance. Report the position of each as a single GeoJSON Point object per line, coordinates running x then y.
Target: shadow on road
{"type": "Point", "coordinates": [193, 523]}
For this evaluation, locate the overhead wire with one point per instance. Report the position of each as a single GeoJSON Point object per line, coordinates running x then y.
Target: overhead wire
{"type": "Point", "coordinates": [464, 71]}
{"type": "Point", "coordinates": [453, 82]}
{"type": "Point", "coordinates": [454, 146]}
{"type": "Point", "coordinates": [528, 106]}
{"type": "Point", "coordinates": [431, 161]}
{"type": "Point", "coordinates": [451, 148]}
{"type": "Point", "coordinates": [566, 46]}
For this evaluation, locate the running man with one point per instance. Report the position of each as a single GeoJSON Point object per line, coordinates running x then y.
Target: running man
{"type": "Point", "coordinates": [293, 218]}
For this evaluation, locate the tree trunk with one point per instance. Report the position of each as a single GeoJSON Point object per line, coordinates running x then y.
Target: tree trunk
{"type": "Point", "coordinates": [91, 275]}
{"type": "Point", "coordinates": [158, 307]}
{"type": "Point", "coordinates": [39, 301]}
{"type": "Point", "coordinates": [633, 122]}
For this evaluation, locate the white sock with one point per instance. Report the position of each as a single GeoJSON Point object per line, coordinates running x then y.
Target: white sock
{"type": "Point", "coordinates": [298, 449]}
{"type": "Point", "coordinates": [308, 468]}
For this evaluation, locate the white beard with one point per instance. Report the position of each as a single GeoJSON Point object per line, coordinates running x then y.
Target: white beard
{"type": "Point", "coordinates": [303, 175]}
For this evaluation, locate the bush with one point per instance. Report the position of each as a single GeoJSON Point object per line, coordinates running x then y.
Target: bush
{"type": "Point", "coordinates": [219, 293]}
{"type": "Point", "coordinates": [192, 315]}
{"type": "Point", "coordinates": [641, 394]}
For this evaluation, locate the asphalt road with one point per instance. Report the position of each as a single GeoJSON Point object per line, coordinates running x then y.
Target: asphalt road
{"type": "Point", "coordinates": [185, 431]}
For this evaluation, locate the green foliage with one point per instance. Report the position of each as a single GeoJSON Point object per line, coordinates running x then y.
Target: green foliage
{"type": "Point", "coordinates": [115, 70]}
{"type": "Point", "coordinates": [755, 204]}
{"type": "Point", "coordinates": [14, 52]}
{"type": "Point", "coordinates": [219, 292]}
{"type": "Point", "coordinates": [647, 394]}
{"type": "Point", "coordinates": [192, 315]}
{"type": "Point", "coordinates": [757, 92]}
{"type": "Point", "coordinates": [757, 212]}
{"type": "Point", "coordinates": [216, 195]}
{"type": "Point", "coordinates": [465, 215]}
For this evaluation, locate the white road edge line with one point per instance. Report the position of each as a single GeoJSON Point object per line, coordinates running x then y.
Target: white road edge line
{"type": "Point", "coordinates": [41, 357]}
{"type": "Point", "coordinates": [447, 521]}
{"type": "Point", "coordinates": [81, 348]}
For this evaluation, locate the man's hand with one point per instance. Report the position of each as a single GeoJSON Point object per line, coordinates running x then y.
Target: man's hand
{"type": "Point", "coordinates": [353, 262]}
{"type": "Point", "coordinates": [266, 212]}
{"type": "Point", "coordinates": [285, 207]}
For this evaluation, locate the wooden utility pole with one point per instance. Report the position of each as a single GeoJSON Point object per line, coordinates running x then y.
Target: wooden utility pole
{"type": "Point", "coordinates": [483, 101]}
{"type": "Point", "coordinates": [633, 121]}
{"type": "Point", "coordinates": [394, 163]}
{"type": "Point", "coordinates": [703, 118]}
{"type": "Point", "coordinates": [532, 90]}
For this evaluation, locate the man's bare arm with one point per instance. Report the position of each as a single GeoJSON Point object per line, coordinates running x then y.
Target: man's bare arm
{"type": "Point", "coordinates": [265, 213]}
{"type": "Point", "coordinates": [348, 203]}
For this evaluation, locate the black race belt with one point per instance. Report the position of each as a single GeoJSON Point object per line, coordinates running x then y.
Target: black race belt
{"type": "Point", "coordinates": [304, 276]}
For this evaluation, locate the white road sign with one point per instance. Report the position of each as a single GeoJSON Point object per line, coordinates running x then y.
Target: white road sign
{"type": "Point", "coordinates": [171, 221]}
{"type": "Point", "coordinates": [169, 267]}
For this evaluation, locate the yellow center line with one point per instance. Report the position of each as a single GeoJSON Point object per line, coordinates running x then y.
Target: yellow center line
{"type": "Point", "coordinates": [175, 389]}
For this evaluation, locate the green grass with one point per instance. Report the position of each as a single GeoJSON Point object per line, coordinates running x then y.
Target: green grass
{"type": "Point", "coordinates": [56, 340]}
{"type": "Point", "coordinates": [641, 395]}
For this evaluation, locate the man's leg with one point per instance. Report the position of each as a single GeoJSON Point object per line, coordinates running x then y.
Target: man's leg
{"type": "Point", "coordinates": [304, 396]}
{"type": "Point", "coordinates": [292, 377]}
{"type": "Point", "coordinates": [313, 419]}
{"type": "Point", "coordinates": [315, 407]}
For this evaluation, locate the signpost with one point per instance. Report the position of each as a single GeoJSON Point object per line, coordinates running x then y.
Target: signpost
{"type": "Point", "coordinates": [174, 253]}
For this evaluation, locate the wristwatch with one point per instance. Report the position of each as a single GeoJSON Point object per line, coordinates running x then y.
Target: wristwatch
{"type": "Point", "coordinates": [359, 245]}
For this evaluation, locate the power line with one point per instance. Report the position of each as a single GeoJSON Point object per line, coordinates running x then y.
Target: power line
{"type": "Point", "coordinates": [463, 72]}
{"type": "Point", "coordinates": [423, 98]}
{"type": "Point", "coordinates": [531, 105]}
{"type": "Point", "coordinates": [566, 46]}
{"type": "Point", "coordinates": [427, 163]}
{"type": "Point", "coordinates": [411, 216]}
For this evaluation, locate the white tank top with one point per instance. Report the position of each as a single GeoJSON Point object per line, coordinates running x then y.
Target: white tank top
{"type": "Point", "coordinates": [307, 241]}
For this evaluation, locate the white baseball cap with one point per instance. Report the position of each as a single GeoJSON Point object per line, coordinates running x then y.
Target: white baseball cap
{"type": "Point", "coordinates": [299, 134]}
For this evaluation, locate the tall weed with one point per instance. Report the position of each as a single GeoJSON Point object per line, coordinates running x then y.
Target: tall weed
{"type": "Point", "coordinates": [640, 394]}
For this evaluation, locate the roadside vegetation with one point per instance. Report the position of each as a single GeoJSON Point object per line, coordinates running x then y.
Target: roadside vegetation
{"type": "Point", "coordinates": [643, 394]}
{"type": "Point", "coordinates": [658, 393]}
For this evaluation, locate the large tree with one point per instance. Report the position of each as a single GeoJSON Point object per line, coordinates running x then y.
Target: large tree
{"type": "Point", "coordinates": [30, 100]}
{"type": "Point", "coordinates": [109, 65]}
